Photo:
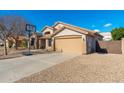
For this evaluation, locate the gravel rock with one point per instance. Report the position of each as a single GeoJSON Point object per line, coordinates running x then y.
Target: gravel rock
{"type": "Point", "coordinates": [92, 68]}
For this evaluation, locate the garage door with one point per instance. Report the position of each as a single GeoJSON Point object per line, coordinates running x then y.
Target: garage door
{"type": "Point", "coordinates": [69, 45]}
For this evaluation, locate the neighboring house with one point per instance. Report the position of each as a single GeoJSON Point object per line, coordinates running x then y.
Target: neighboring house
{"type": "Point", "coordinates": [106, 36]}
{"type": "Point", "coordinates": [23, 41]}
{"type": "Point", "coordinates": [10, 42]}
{"type": "Point", "coordinates": [68, 38]}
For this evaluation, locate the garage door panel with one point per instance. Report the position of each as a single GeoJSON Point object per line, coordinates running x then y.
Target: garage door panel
{"type": "Point", "coordinates": [69, 45]}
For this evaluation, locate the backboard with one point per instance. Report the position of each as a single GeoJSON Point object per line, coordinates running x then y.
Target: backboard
{"type": "Point", "coordinates": [31, 28]}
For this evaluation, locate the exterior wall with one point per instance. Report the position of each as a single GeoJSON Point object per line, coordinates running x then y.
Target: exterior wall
{"type": "Point", "coordinates": [114, 47]}
{"type": "Point", "coordinates": [47, 30]}
{"type": "Point", "coordinates": [67, 32]}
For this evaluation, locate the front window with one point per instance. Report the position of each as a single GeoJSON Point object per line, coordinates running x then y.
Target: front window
{"type": "Point", "coordinates": [47, 33]}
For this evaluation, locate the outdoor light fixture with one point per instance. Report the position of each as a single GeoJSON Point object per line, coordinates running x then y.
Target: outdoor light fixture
{"type": "Point", "coordinates": [30, 28]}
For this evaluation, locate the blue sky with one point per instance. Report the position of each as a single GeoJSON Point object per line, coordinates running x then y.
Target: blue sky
{"type": "Point", "coordinates": [98, 20]}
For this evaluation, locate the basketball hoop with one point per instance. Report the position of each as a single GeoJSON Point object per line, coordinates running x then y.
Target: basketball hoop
{"type": "Point", "coordinates": [30, 28]}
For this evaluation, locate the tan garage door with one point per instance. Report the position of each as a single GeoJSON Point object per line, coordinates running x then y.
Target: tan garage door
{"type": "Point", "coordinates": [69, 45]}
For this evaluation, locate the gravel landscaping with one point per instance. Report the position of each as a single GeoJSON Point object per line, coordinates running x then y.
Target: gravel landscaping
{"type": "Point", "coordinates": [86, 68]}
{"type": "Point", "coordinates": [12, 53]}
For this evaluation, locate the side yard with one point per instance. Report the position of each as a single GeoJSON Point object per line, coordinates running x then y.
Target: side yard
{"type": "Point", "coordinates": [87, 68]}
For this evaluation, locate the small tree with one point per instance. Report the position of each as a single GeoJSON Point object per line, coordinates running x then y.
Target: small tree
{"type": "Point", "coordinates": [18, 26]}
{"type": "Point", "coordinates": [4, 34]}
{"type": "Point", "coordinates": [117, 33]}
{"type": "Point", "coordinates": [15, 25]}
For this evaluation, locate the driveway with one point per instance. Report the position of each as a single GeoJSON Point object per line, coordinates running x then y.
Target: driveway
{"type": "Point", "coordinates": [14, 69]}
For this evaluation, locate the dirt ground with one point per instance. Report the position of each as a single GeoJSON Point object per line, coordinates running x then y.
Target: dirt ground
{"type": "Point", "coordinates": [93, 68]}
{"type": "Point", "coordinates": [13, 53]}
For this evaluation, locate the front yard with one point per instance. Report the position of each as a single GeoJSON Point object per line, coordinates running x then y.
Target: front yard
{"type": "Point", "coordinates": [86, 68]}
{"type": "Point", "coordinates": [13, 53]}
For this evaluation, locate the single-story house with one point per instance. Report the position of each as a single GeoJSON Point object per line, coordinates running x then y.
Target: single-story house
{"type": "Point", "coordinates": [69, 39]}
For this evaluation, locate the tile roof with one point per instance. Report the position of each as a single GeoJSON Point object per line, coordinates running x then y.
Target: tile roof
{"type": "Point", "coordinates": [47, 27]}
{"type": "Point", "coordinates": [78, 29]}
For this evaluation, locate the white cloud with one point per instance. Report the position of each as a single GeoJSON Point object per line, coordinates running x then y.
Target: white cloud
{"type": "Point", "coordinates": [108, 25]}
{"type": "Point", "coordinates": [96, 30]}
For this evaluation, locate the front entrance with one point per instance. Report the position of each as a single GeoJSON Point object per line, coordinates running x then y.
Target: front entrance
{"type": "Point", "coordinates": [43, 43]}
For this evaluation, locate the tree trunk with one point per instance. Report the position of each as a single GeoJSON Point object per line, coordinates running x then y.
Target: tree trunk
{"type": "Point", "coordinates": [5, 47]}
{"type": "Point", "coordinates": [16, 45]}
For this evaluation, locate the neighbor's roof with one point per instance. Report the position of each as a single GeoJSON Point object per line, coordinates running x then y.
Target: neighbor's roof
{"type": "Point", "coordinates": [38, 34]}
{"type": "Point", "coordinates": [45, 37]}
{"type": "Point", "coordinates": [106, 35]}
{"type": "Point", "coordinates": [78, 29]}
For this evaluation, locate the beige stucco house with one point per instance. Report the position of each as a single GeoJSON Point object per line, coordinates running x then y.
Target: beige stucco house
{"type": "Point", "coordinates": [69, 39]}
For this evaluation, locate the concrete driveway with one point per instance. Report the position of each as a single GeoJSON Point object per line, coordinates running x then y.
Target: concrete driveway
{"type": "Point", "coordinates": [14, 69]}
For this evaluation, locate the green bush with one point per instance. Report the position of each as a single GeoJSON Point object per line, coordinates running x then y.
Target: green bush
{"type": "Point", "coordinates": [117, 33]}
{"type": "Point", "coordinates": [24, 43]}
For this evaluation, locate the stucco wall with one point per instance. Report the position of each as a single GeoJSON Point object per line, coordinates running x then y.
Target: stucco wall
{"type": "Point", "coordinates": [114, 47]}
{"type": "Point", "coordinates": [48, 30]}
{"type": "Point", "coordinates": [67, 32]}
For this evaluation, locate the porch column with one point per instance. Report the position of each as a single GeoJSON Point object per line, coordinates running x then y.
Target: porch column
{"type": "Point", "coordinates": [53, 44]}
{"type": "Point", "coordinates": [36, 43]}
{"type": "Point", "coordinates": [47, 44]}
{"type": "Point", "coordinates": [39, 44]}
